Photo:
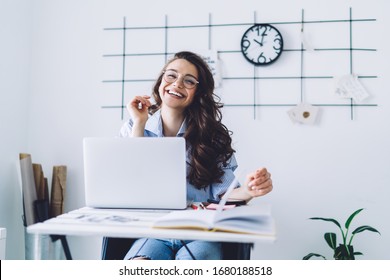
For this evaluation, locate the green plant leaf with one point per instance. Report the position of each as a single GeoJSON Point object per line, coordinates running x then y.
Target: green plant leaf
{"type": "Point", "coordinates": [327, 220]}
{"type": "Point", "coordinates": [331, 239]}
{"type": "Point", "coordinates": [363, 228]}
{"type": "Point", "coordinates": [349, 220]}
{"type": "Point", "coordinates": [308, 256]}
{"type": "Point", "coordinates": [358, 254]}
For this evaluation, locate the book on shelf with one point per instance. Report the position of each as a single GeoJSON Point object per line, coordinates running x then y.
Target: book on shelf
{"type": "Point", "coordinates": [249, 219]}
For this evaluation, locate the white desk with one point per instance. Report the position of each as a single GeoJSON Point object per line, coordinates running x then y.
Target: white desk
{"type": "Point", "coordinates": [129, 224]}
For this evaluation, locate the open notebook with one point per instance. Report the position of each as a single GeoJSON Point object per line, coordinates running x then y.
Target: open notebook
{"type": "Point", "coordinates": [251, 219]}
{"type": "Point", "coordinates": [139, 173]}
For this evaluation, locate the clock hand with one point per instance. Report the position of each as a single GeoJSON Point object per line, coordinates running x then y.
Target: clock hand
{"type": "Point", "coordinates": [262, 36]}
{"type": "Point", "coordinates": [260, 43]}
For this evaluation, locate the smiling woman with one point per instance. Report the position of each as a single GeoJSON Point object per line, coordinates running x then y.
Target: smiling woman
{"type": "Point", "coordinates": [178, 87]}
{"type": "Point", "coordinates": [186, 106]}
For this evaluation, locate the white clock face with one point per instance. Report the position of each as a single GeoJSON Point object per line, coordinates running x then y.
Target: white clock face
{"type": "Point", "coordinates": [262, 44]}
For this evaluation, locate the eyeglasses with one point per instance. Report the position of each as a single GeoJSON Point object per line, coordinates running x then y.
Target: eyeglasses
{"type": "Point", "coordinates": [171, 76]}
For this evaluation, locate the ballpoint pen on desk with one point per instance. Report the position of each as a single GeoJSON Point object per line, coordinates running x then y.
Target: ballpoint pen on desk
{"type": "Point", "coordinates": [198, 206]}
{"type": "Point", "coordinates": [193, 206]}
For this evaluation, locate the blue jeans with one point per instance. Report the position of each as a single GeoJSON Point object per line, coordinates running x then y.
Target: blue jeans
{"type": "Point", "coordinates": [172, 249]}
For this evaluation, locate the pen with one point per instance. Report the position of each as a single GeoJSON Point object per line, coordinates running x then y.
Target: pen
{"type": "Point", "coordinates": [193, 206]}
{"type": "Point", "coordinates": [202, 206]}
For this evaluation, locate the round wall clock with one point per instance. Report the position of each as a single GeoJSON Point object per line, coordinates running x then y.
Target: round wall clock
{"type": "Point", "coordinates": [262, 44]}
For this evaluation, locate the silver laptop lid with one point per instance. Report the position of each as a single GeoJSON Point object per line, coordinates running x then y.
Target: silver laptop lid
{"type": "Point", "coordinates": [140, 172]}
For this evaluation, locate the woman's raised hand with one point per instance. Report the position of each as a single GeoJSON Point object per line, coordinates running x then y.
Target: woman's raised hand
{"type": "Point", "coordinates": [138, 108]}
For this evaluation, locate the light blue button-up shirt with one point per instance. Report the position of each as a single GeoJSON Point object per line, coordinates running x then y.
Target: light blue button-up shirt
{"type": "Point", "coordinates": [154, 128]}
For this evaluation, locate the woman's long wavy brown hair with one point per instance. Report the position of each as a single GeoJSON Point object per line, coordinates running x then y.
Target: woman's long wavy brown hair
{"type": "Point", "coordinates": [209, 141]}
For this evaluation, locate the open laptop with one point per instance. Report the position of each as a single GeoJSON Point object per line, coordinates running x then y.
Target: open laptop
{"type": "Point", "coordinates": [137, 173]}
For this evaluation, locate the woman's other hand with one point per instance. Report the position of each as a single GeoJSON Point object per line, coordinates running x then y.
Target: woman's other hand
{"type": "Point", "coordinates": [259, 182]}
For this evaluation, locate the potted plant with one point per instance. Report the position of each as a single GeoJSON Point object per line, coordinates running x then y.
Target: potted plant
{"type": "Point", "coordinates": [345, 250]}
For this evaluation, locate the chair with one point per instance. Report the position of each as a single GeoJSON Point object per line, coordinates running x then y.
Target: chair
{"type": "Point", "coordinates": [116, 248]}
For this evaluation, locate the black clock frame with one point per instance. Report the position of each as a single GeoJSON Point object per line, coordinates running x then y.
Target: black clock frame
{"type": "Point", "coordinates": [243, 48]}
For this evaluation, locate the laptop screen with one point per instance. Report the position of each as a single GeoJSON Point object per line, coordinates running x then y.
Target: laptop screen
{"type": "Point", "coordinates": [140, 172]}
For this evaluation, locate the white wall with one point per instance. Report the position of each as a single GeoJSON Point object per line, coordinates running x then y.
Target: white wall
{"type": "Point", "coordinates": [329, 169]}
{"type": "Point", "coordinates": [15, 34]}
